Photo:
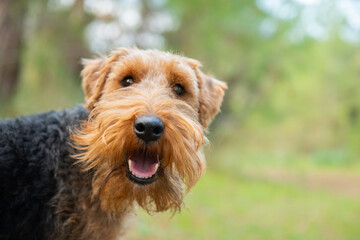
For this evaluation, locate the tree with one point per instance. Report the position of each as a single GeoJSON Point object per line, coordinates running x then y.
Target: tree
{"type": "Point", "coordinates": [11, 41]}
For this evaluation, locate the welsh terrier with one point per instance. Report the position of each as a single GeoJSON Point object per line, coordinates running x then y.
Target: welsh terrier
{"type": "Point", "coordinates": [79, 173]}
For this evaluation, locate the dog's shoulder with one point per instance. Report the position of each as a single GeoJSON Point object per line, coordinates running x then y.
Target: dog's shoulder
{"type": "Point", "coordinates": [39, 135]}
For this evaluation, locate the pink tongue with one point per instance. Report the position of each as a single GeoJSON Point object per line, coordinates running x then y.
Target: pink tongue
{"type": "Point", "coordinates": [143, 166]}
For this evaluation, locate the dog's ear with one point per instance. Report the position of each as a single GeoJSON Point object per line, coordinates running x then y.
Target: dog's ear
{"type": "Point", "coordinates": [210, 97]}
{"type": "Point", "coordinates": [90, 77]}
{"type": "Point", "coordinates": [95, 73]}
{"type": "Point", "coordinates": [211, 93]}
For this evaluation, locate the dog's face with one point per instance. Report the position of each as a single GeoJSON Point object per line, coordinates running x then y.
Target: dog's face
{"type": "Point", "coordinates": [148, 113]}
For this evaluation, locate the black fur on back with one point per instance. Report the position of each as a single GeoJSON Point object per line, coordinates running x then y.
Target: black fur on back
{"type": "Point", "coordinates": [34, 150]}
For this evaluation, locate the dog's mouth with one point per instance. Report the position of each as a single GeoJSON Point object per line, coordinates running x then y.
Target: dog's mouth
{"type": "Point", "coordinates": [143, 167]}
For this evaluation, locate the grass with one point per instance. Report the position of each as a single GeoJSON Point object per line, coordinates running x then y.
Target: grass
{"type": "Point", "coordinates": [223, 206]}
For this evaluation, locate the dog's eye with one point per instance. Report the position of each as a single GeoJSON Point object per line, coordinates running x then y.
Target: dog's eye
{"type": "Point", "coordinates": [179, 89]}
{"type": "Point", "coordinates": [127, 81]}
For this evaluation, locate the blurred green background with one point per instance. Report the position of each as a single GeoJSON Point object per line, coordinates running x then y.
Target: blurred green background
{"type": "Point", "coordinates": [285, 156]}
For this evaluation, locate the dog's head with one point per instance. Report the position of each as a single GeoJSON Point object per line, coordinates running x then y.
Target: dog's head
{"type": "Point", "coordinates": [148, 113]}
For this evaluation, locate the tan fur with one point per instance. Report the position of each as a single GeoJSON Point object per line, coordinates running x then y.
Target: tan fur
{"type": "Point", "coordinates": [107, 138]}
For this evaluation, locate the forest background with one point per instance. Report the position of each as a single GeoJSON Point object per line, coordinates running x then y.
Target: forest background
{"type": "Point", "coordinates": [285, 155]}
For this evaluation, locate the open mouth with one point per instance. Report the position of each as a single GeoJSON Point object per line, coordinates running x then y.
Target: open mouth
{"type": "Point", "coordinates": [143, 167]}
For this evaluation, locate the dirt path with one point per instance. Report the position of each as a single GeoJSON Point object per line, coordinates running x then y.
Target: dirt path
{"type": "Point", "coordinates": [339, 183]}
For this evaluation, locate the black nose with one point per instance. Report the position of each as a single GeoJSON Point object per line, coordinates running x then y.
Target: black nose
{"type": "Point", "coordinates": [148, 128]}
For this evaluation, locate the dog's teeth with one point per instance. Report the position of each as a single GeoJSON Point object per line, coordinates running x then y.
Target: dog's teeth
{"type": "Point", "coordinates": [129, 162]}
{"type": "Point", "coordinates": [141, 177]}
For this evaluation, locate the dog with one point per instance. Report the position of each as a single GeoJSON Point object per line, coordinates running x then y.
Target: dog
{"type": "Point", "coordinates": [137, 141]}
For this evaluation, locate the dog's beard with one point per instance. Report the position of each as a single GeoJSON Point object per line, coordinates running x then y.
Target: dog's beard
{"type": "Point", "coordinates": [107, 142]}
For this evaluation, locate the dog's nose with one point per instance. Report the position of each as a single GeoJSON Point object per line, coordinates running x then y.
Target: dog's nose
{"type": "Point", "coordinates": [148, 128]}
